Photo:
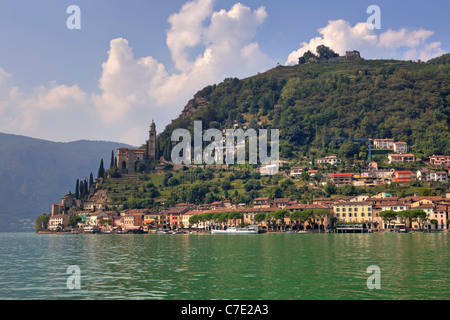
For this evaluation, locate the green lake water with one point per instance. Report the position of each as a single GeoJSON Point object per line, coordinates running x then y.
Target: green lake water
{"type": "Point", "coordinates": [203, 267]}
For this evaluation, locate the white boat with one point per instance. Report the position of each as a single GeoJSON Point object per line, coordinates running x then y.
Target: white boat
{"type": "Point", "coordinates": [235, 230]}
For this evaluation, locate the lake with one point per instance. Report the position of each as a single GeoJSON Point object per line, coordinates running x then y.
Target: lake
{"type": "Point", "coordinates": [247, 267]}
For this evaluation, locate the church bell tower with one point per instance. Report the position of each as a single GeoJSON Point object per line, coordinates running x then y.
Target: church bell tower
{"type": "Point", "coordinates": [151, 143]}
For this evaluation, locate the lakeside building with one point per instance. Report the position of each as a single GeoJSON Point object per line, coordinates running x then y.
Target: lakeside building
{"type": "Point", "coordinates": [59, 221]}
{"type": "Point", "coordinates": [354, 212]}
{"type": "Point", "coordinates": [396, 206]}
{"type": "Point", "coordinates": [263, 202]}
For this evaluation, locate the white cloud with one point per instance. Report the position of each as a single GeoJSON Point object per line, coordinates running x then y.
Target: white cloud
{"type": "Point", "coordinates": [28, 112]}
{"type": "Point", "coordinates": [125, 82]}
{"type": "Point", "coordinates": [4, 75]}
{"type": "Point", "coordinates": [134, 90]}
{"type": "Point", "coordinates": [396, 44]}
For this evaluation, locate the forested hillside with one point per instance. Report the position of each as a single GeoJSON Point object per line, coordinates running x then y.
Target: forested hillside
{"type": "Point", "coordinates": [312, 102]}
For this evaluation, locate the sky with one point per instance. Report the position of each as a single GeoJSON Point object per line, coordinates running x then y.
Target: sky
{"type": "Point", "coordinates": [131, 62]}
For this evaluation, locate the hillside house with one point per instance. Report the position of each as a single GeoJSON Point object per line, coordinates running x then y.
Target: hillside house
{"type": "Point", "coordinates": [440, 160]}
{"type": "Point", "coordinates": [402, 176]}
{"type": "Point", "coordinates": [342, 179]}
{"type": "Point", "coordinates": [400, 158]}
{"type": "Point", "coordinates": [331, 159]}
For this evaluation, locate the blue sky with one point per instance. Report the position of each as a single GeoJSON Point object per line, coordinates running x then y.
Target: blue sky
{"type": "Point", "coordinates": [134, 61]}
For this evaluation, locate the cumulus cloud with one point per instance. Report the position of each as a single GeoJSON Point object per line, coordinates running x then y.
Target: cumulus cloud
{"type": "Point", "coordinates": [4, 75]}
{"type": "Point", "coordinates": [125, 81]}
{"type": "Point", "coordinates": [396, 44]}
{"type": "Point", "coordinates": [27, 112]}
{"type": "Point", "coordinates": [133, 90]}
{"type": "Point", "coordinates": [132, 87]}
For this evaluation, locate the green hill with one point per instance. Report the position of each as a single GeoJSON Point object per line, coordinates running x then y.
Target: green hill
{"type": "Point", "coordinates": [309, 103]}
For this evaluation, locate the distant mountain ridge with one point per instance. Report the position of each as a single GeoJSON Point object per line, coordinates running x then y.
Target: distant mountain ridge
{"type": "Point", "coordinates": [35, 173]}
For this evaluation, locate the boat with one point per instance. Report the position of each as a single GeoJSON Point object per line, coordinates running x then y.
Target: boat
{"type": "Point", "coordinates": [162, 231]}
{"type": "Point", "coordinates": [235, 230]}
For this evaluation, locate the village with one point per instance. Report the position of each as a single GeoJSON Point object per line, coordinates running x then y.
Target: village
{"type": "Point", "coordinates": [359, 213]}
{"type": "Point", "coordinates": [341, 214]}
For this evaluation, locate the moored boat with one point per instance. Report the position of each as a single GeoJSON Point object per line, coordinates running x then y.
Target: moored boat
{"type": "Point", "coordinates": [235, 230]}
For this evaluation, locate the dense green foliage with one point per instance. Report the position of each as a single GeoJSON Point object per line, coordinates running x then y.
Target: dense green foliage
{"type": "Point", "coordinates": [312, 102]}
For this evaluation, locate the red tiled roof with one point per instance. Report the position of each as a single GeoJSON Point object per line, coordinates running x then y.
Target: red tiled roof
{"type": "Point", "coordinates": [341, 175]}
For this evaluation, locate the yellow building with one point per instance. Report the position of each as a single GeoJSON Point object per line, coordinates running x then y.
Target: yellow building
{"type": "Point", "coordinates": [154, 219]}
{"type": "Point", "coordinates": [353, 212]}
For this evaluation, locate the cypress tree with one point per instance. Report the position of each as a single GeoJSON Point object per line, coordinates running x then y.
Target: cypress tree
{"type": "Point", "coordinates": [77, 190]}
{"type": "Point", "coordinates": [81, 189]}
{"type": "Point", "coordinates": [101, 170]}
{"type": "Point", "coordinates": [86, 187]}
{"type": "Point", "coordinates": [111, 164]}
{"type": "Point", "coordinates": [91, 181]}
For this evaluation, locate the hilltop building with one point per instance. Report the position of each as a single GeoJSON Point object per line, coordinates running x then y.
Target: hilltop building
{"type": "Point", "coordinates": [127, 158]}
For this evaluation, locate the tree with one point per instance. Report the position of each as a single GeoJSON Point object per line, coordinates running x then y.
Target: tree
{"type": "Point", "coordinates": [321, 214]}
{"type": "Point", "coordinates": [403, 216]}
{"type": "Point", "coordinates": [295, 216]}
{"type": "Point", "coordinates": [419, 216]}
{"type": "Point", "coordinates": [259, 217]}
{"type": "Point", "coordinates": [434, 222]}
{"type": "Point", "coordinates": [101, 170]}
{"type": "Point", "coordinates": [325, 52]}
{"type": "Point", "coordinates": [77, 189]}
{"type": "Point", "coordinates": [285, 183]}
{"type": "Point", "coordinates": [194, 219]}
{"type": "Point", "coordinates": [309, 55]}
{"type": "Point", "coordinates": [73, 221]}
{"type": "Point", "coordinates": [330, 188]}
{"type": "Point", "coordinates": [235, 215]}
{"type": "Point", "coordinates": [311, 217]}
{"type": "Point", "coordinates": [112, 162]}
{"type": "Point", "coordinates": [303, 217]}
{"type": "Point", "coordinates": [388, 215]}
{"type": "Point", "coordinates": [41, 222]}
{"type": "Point", "coordinates": [91, 181]}
{"type": "Point", "coordinates": [280, 215]}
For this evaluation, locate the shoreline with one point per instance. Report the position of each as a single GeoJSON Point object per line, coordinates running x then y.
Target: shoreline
{"type": "Point", "coordinates": [208, 233]}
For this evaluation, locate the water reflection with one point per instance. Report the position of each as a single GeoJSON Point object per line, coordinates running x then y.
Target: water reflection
{"type": "Point", "coordinates": [268, 266]}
